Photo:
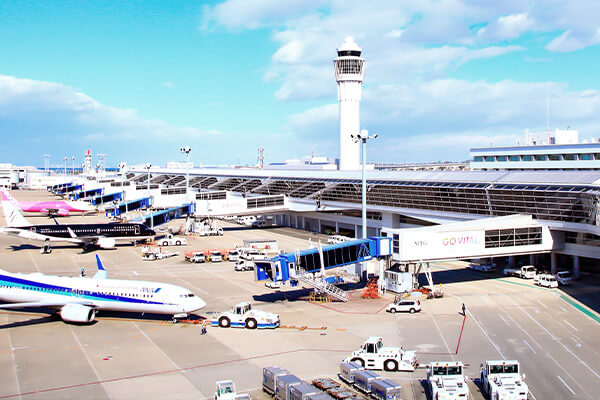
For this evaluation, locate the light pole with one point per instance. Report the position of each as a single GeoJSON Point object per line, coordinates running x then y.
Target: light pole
{"type": "Point", "coordinates": [186, 150]}
{"type": "Point", "coordinates": [65, 166]}
{"type": "Point", "coordinates": [362, 137]}
{"type": "Point", "coordinates": [73, 160]}
{"type": "Point", "coordinates": [148, 166]}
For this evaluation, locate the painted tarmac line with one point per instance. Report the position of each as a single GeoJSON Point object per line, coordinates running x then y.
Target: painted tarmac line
{"type": "Point", "coordinates": [594, 316]}
{"type": "Point", "coordinates": [505, 321]}
{"type": "Point", "coordinates": [566, 322]}
{"type": "Point", "coordinates": [545, 306]}
{"type": "Point", "coordinates": [567, 386]}
{"type": "Point", "coordinates": [528, 345]}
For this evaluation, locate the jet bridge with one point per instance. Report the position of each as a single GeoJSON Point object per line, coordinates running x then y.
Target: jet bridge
{"type": "Point", "coordinates": [221, 203]}
{"type": "Point", "coordinates": [68, 189]}
{"type": "Point", "coordinates": [125, 207]}
{"type": "Point", "coordinates": [85, 194]}
{"type": "Point", "coordinates": [304, 265]}
{"type": "Point", "coordinates": [164, 216]}
{"type": "Point", "coordinates": [107, 198]}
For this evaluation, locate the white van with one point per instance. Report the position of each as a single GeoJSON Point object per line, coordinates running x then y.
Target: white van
{"type": "Point", "coordinates": [545, 280]}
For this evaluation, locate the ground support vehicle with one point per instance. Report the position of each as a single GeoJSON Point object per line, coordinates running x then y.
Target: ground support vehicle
{"type": "Point", "coordinates": [211, 232]}
{"type": "Point", "coordinates": [273, 284]}
{"type": "Point", "coordinates": [302, 391]}
{"type": "Point", "coordinates": [243, 316]}
{"type": "Point", "coordinates": [385, 389]}
{"type": "Point", "coordinates": [501, 380]}
{"type": "Point", "coordinates": [195, 256]}
{"type": "Point", "coordinates": [244, 265]}
{"type": "Point", "coordinates": [226, 391]}
{"type": "Point", "coordinates": [363, 380]}
{"type": "Point", "coordinates": [233, 255]}
{"type": "Point", "coordinates": [525, 272]}
{"type": "Point", "coordinates": [284, 384]}
{"type": "Point", "coordinates": [154, 253]}
{"type": "Point", "coordinates": [171, 240]}
{"type": "Point", "coordinates": [564, 277]}
{"type": "Point", "coordinates": [251, 254]}
{"type": "Point", "coordinates": [545, 280]}
{"type": "Point", "coordinates": [475, 266]}
{"type": "Point", "coordinates": [372, 355]}
{"type": "Point", "coordinates": [404, 305]}
{"type": "Point", "coordinates": [215, 256]}
{"type": "Point", "coordinates": [347, 371]}
{"type": "Point", "coordinates": [446, 380]}
{"type": "Point", "coordinates": [335, 239]}
{"type": "Point", "coordinates": [270, 376]}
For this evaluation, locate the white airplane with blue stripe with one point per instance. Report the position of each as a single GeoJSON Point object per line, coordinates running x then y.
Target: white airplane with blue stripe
{"type": "Point", "coordinates": [77, 299]}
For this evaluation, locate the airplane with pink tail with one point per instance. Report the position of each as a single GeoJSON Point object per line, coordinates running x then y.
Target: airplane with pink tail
{"type": "Point", "coordinates": [52, 208]}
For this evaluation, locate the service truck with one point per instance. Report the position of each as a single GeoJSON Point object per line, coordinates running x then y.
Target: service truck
{"type": "Point", "coordinates": [372, 355]}
{"type": "Point", "coordinates": [525, 272]}
{"type": "Point", "coordinates": [195, 256]}
{"type": "Point", "coordinates": [477, 265]}
{"type": "Point", "coordinates": [171, 240]}
{"type": "Point", "coordinates": [210, 231]}
{"type": "Point", "coordinates": [244, 265]}
{"type": "Point", "coordinates": [154, 253]}
{"type": "Point", "coordinates": [545, 280]}
{"type": "Point", "coordinates": [243, 316]}
{"type": "Point", "coordinates": [226, 391]}
{"type": "Point", "coordinates": [446, 380]}
{"type": "Point", "coordinates": [501, 380]}
{"type": "Point", "coordinates": [564, 277]}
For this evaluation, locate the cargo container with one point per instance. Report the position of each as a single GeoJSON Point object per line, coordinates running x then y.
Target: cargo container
{"type": "Point", "coordinates": [364, 379]}
{"type": "Point", "coordinates": [302, 391]}
{"type": "Point", "coordinates": [283, 384]}
{"type": "Point", "coordinates": [347, 371]}
{"type": "Point", "coordinates": [270, 375]}
{"type": "Point", "coordinates": [385, 389]}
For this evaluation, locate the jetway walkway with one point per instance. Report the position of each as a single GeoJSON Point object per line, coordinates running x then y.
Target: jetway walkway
{"type": "Point", "coordinates": [164, 216]}
{"type": "Point", "coordinates": [305, 265]}
{"type": "Point", "coordinates": [86, 193]}
{"type": "Point", "coordinates": [67, 189]}
{"type": "Point", "coordinates": [107, 198]}
{"type": "Point", "coordinates": [220, 205]}
{"type": "Point", "coordinates": [125, 207]}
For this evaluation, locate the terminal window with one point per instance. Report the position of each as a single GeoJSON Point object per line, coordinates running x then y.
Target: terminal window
{"type": "Point", "coordinates": [570, 157]}
{"type": "Point", "coordinates": [586, 157]}
{"type": "Point", "coordinates": [513, 237]}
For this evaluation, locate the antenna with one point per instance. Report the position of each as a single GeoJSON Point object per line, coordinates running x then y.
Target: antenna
{"type": "Point", "coordinates": [261, 157]}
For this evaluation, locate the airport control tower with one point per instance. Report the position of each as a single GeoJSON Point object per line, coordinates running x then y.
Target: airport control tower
{"type": "Point", "coordinates": [349, 72]}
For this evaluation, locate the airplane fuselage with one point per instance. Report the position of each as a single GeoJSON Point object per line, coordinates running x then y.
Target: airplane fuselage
{"type": "Point", "coordinates": [99, 294]}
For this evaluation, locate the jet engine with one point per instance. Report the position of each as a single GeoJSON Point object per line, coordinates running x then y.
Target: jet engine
{"type": "Point", "coordinates": [106, 243]}
{"type": "Point", "coordinates": [77, 313]}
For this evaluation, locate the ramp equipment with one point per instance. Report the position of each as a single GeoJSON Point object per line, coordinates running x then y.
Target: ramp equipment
{"type": "Point", "coordinates": [125, 207]}
{"type": "Point", "coordinates": [164, 216]}
{"type": "Point", "coordinates": [107, 198]}
{"type": "Point", "coordinates": [85, 194]}
{"type": "Point", "coordinates": [305, 265]}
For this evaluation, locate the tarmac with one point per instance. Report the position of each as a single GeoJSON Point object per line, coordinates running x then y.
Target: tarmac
{"type": "Point", "coordinates": [553, 333]}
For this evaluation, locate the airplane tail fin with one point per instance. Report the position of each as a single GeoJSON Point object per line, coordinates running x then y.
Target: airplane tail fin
{"type": "Point", "coordinates": [13, 217]}
{"type": "Point", "coordinates": [101, 274]}
{"type": "Point", "coordinates": [6, 196]}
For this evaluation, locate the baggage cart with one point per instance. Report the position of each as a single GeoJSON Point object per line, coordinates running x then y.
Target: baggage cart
{"type": "Point", "coordinates": [385, 389]}
{"type": "Point", "coordinates": [283, 384]}
{"type": "Point", "coordinates": [364, 379]}
{"type": "Point", "coordinates": [302, 391]}
{"type": "Point", "coordinates": [270, 375]}
{"type": "Point", "coordinates": [347, 371]}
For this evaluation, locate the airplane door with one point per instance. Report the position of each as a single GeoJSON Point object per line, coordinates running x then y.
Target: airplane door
{"type": "Point", "coordinates": [136, 230]}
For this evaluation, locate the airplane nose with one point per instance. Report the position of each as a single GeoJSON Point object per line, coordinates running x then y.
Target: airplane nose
{"type": "Point", "coordinates": [196, 304]}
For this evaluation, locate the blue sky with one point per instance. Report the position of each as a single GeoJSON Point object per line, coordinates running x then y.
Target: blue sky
{"type": "Point", "coordinates": [137, 80]}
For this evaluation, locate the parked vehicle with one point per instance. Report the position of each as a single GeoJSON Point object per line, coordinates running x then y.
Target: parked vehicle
{"type": "Point", "coordinates": [226, 391]}
{"type": "Point", "coordinates": [545, 280]}
{"type": "Point", "coordinates": [242, 315]}
{"type": "Point", "coordinates": [446, 380]}
{"type": "Point", "coordinates": [334, 239]}
{"type": "Point", "coordinates": [195, 257]}
{"type": "Point", "coordinates": [233, 255]}
{"type": "Point", "coordinates": [273, 284]}
{"type": "Point", "coordinates": [501, 380]}
{"type": "Point", "coordinates": [404, 305]}
{"type": "Point", "coordinates": [372, 355]}
{"type": "Point", "coordinates": [564, 278]}
{"type": "Point", "coordinates": [155, 253]}
{"type": "Point", "coordinates": [215, 256]}
{"type": "Point", "coordinates": [171, 240]}
{"type": "Point", "coordinates": [476, 265]}
{"type": "Point", "coordinates": [252, 254]}
{"type": "Point", "coordinates": [525, 272]}
{"type": "Point", "coordinates": [244, 265]}
{"type": "Point", "coordinates": [212, 231]}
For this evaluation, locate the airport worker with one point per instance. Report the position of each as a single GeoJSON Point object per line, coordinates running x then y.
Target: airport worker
{"type": "Point", "coordinates": [464, 309]}
{"type": "Point", "coordinates": [82, 272]}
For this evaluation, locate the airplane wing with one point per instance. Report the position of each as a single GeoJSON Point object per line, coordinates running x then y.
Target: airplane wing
{"type": "Point", "coordinates": [54, 303]}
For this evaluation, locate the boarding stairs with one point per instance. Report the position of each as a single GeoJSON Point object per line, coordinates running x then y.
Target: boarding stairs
{"type": "Point", "coordinates": [322, 286]}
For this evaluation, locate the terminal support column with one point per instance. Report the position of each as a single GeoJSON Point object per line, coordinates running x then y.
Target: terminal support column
{"type": "Point", "coordinates": [576, 267]}
{"type": "Point", "coordinates": [553, 262]}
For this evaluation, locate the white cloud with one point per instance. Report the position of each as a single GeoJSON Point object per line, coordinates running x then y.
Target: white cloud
{"type": "Point", "coordinates": [571, 41]}
{"type": "Point", "coordinates": [69, 120]}
{"type": "Point", "coordinates": [507, 27]}
{"type": "Point", "coordinates": [169, 85]}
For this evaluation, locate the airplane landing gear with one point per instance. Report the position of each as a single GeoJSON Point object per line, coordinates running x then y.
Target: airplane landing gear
{"type": "Point", "coordinates": [46, 249]}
